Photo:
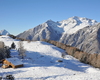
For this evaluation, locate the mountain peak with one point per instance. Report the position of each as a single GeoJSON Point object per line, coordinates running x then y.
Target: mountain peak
{"type": "Point", "coordinates": [4, 32]}
{"type": "Point", "coordinates": [73, 24]}
{"type": "Point", "coordinates": [50, 21]}
{"type": "Point", "coordinates": [75, 17]}
{"type": "Point", "coordinates": [69, 26]}
{"type": "Point", "coordinates": [80, 18]}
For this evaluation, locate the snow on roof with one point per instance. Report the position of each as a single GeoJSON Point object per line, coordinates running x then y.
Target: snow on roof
{"type": "Point", "coordinates": [14, 61]}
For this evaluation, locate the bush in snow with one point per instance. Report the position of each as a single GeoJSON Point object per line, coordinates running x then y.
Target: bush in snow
{"type": "Point", "coordinates": [63, 46]}
{"type": "Point", "coordinates": [12, 36]}
{"type": "Point", "coordinates": [13, 45]}
{"type": "Point", "coordinates": [63, 54]}
{"type": "Point", "coordinates": [98, 61]}
{"type": "Point", "coordinates": [93, 59]}
{"type": "Point", "coordinates": [28, 41]}
{"type": "Point", "coordinates": [59, 60]}
{"type": "Point", "coordinates": [52, 42]}
{"type": "Point", "coordinates": [7, 51]}
{"type": "Point", "coordinates": [21, 49]}
{"type": "Point", "coordinates": [7, 77]}
{"type": "Point", "coordinates": [58, 44]}
{"type": "Point", "coordinates": [0, 77]}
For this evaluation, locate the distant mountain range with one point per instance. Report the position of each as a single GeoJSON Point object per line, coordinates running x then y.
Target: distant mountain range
{"type": "Point", "coordinates": [79, 32]}
{"type": "Point", "coordinates": [55, 30]}
{"type": "Point", "coordinates": [4, 32]}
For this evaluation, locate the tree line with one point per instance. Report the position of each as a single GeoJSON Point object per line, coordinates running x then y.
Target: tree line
{"type": "Point", "coordinates": [91, 59]}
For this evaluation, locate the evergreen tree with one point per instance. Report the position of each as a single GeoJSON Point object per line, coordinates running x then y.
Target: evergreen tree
{"type": "Point", "coordinates": [13, 45]}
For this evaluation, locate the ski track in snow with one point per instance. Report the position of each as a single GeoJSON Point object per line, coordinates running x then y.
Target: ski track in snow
{"type": "Point", "coordinates": [41, 63]}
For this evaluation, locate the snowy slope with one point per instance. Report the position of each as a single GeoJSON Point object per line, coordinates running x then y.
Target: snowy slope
{"type": "Point", "coordinates": [4, 32]}
{"type": "Point", "coordinates": [8, 40]}
{"type": "Point", "coordinates": [41, 63]}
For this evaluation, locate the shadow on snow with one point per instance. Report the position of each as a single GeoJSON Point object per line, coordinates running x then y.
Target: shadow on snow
{"type": "Point", "coordinates": [35, 59]}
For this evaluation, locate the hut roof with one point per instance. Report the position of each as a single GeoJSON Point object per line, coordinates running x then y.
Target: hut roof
{"type": "Point", "coordinates": [14, 61]}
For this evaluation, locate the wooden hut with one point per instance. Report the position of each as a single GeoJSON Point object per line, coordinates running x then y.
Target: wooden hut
{"type": "Point", "coordinates": [12, 62]}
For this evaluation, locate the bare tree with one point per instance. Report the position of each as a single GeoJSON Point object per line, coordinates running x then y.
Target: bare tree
{"type": "Point", "coordinates": [4, 51]}
{"type": "Point", "coordinates": [21, 49]}
{"type": "Point", "coordinates": [63, 55]}
{"type": "Point", "coordinates": [2, 45]}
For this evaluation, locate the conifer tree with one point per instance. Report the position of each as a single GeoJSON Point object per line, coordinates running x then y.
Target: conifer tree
{"type": "Point", "coordinates": [13, 45]}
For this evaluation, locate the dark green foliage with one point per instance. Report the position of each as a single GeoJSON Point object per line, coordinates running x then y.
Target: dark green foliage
{"type": "Point", "coordinates": [12, 36]}
{"type": "Point", "coordinates": [0, 77]}
{"type": "Point", "coordinates": [7, 52]}
{"type": "Point", "coordinates": [13, 45]}
{"type": "Point", "coordinates": [15, 37]}
{"type": "Point", "coordinates": [59, 61]}
{"type": "Point", "coordinates": [4, 53]}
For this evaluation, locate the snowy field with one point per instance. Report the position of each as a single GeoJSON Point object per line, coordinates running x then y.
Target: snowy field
{"type": "Point", "coordinates": [41, 63]}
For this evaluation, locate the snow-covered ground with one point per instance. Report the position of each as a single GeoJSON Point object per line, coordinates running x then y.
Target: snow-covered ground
{"type": "Point", "coordinates": [41, 63]}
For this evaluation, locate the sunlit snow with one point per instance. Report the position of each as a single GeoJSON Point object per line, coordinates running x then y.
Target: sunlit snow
{"type": "Point", "coordinates": [41, 63]}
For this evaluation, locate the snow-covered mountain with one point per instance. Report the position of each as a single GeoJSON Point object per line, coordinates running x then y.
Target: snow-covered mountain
{"type": "Point", "coordinates": [86, 39]}
{"type": "Point", "coordinates": [54, 30]}
{"type": "Point", "coordinates": [47, 30]}
{"type": "Point", "coordinates": [4, 32]}
{"type": "Point", "coordinates": [75, 23]}
{"type": "Point", "coordinates": [76, 31]}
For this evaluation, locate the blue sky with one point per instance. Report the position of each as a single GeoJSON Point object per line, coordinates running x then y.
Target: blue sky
{"type": "Point", "coordinates": [17, 16]}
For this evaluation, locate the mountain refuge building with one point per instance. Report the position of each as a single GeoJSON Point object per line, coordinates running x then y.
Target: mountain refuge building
{"type": "Point", "coordinates": [12, 62]}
